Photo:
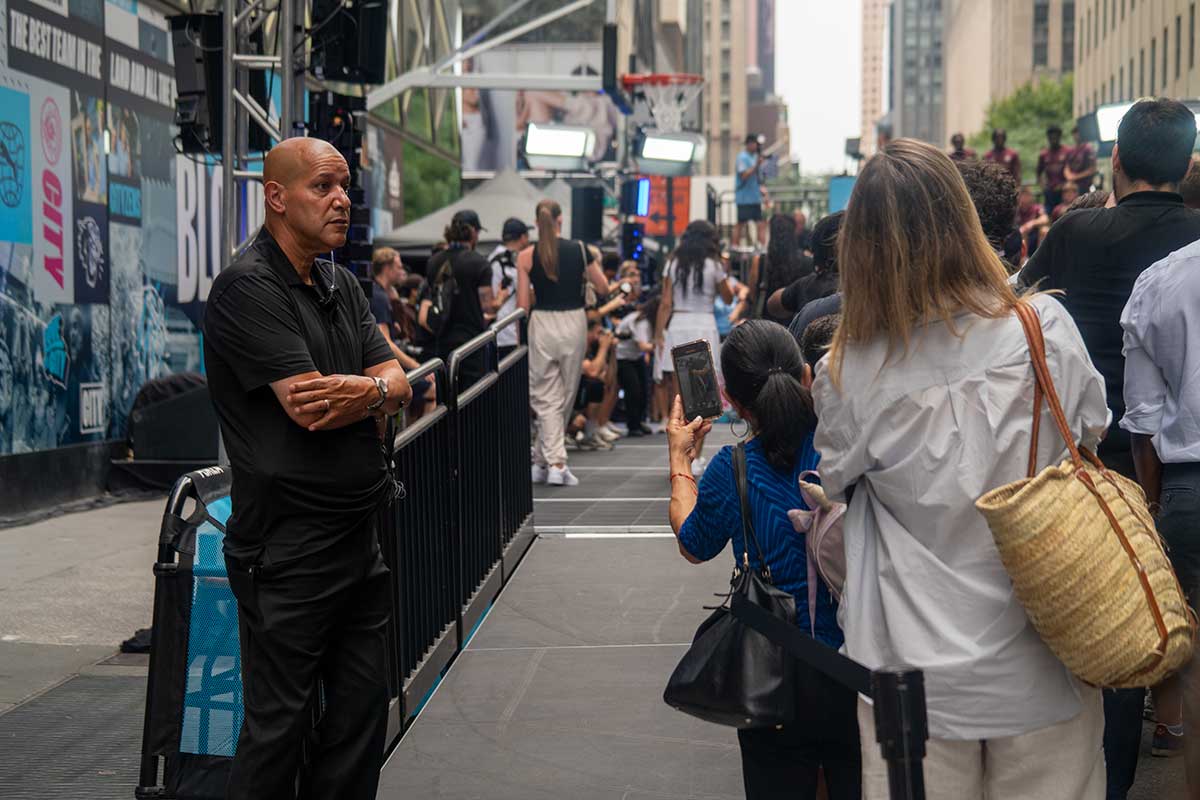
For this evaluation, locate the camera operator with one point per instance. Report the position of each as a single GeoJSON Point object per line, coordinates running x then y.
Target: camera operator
{"type": "Point", "coordinates": [747, 193]}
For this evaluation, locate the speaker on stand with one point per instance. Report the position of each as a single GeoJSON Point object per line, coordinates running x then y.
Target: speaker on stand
{"type": "Point", "coordinates": [587, 213]}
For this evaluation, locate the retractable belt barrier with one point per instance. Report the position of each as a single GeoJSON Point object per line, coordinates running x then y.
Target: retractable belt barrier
{"type": "Point", "coordinates": [452, 541]}
{"type": "Point", "coordinates": [898, 693]}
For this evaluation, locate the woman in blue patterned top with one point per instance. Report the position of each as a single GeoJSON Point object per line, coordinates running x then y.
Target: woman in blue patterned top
{"type": "Point", "coordinates": [767, 384]}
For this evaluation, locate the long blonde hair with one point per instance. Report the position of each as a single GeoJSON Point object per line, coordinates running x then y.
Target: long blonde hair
{"type": "Point", "coordinates": [548, 213]}
{"type": "Point", "coordinates": [912, 251]}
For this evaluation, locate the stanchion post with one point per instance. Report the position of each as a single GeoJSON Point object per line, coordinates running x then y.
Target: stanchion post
{"type": "Point", "coordinates": [901, 728]}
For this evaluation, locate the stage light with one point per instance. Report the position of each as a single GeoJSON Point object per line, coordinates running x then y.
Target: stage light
{"type": "Point", "coordinates": [1108, 119]}
{"type": "Point", "coordinates": [558, 148]}
{"type": "Point", "coordinates": [668, 153]}
{"type": "Point", "coordinates": [661, 148]}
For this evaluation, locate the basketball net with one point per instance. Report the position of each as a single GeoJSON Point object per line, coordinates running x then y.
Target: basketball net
{"type": "Point", "coordinates": [669, 96]}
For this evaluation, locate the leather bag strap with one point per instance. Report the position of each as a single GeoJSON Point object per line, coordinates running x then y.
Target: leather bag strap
{"type": "Point", "coordinates": [739, 476]}
{"type": "Point", "coordinates": [1037, 354]}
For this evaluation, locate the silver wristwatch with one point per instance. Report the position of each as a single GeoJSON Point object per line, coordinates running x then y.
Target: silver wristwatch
{"type": "Point", "coordinates": [382, 386]}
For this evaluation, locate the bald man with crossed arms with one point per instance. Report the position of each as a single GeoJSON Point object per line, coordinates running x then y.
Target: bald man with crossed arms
{"type": "Point", "coordinates": [301, 379]}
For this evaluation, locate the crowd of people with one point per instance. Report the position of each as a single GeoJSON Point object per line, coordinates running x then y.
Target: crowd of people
{"type": "Point", "coordinates": [906, 383]}
{"type": "Point", "coordinates": [882, 350]}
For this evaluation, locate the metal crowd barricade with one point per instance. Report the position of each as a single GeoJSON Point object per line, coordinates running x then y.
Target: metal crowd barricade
{"type": "Point", "coordinates": [451, 543]}
{"type": "Point", "coordinates": [477, 481]}
{"type": "Point", "coordinates": [416, 536]}
{"type": "Point", "coordinates": [516, 488]}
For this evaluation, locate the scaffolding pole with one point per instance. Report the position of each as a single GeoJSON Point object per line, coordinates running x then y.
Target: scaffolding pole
{"type": "Point", "coordinates": [239, 20]}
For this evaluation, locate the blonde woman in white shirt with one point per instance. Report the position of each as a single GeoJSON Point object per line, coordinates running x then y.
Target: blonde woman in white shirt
{"type": "Point", "coordinates": [925, 403]}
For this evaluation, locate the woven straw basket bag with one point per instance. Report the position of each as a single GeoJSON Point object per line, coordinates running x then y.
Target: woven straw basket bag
{"type": "Point", "coordinates": [1085, 559]}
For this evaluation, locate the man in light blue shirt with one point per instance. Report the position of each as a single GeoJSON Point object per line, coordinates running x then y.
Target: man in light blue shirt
{"type": "Point", "coordinates": [747, 195]}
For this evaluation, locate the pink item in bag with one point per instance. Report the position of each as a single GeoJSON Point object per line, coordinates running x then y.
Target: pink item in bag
{"type": "Point", "coordinates": [823, 539]}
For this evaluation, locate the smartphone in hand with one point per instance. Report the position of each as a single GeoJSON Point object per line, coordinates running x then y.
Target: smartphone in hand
{"type": "Point", "coordinates": [697, 380]}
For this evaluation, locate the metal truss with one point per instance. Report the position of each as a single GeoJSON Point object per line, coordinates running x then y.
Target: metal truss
{"type": "Point", "coordinates": [442, 76]}
{"type": "Point", "coordinates": [240, 20]}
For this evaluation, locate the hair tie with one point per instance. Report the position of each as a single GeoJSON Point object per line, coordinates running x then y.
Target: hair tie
{"type": "Point", "coordinates": [774, 370]}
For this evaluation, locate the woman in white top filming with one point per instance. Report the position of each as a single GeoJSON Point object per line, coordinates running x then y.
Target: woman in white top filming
{"type": "Point", "coordinates": [692, 281]}
{"type": "Point", "coordinates": [925, 403]}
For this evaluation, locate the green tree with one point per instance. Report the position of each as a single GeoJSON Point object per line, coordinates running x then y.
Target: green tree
{"type": "Point", "coordinates": [1025, 114]}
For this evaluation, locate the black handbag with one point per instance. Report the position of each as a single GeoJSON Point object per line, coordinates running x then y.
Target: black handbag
{"type": "Point", "coordinates": [732, 674]}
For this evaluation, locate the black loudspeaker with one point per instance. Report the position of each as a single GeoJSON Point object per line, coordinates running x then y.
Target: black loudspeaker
{"type": "Point", "coordinates": [180, 428]}
{"type": "Point", "coordinates": [196, 41]}
{"type": "Point", "coordinates": [350, 40]}
{"type": "Point", "coordinates": [587, 213]}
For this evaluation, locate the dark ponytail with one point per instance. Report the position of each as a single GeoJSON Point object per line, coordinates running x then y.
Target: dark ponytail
{"type": "Point", "coordinates": [763, 368]}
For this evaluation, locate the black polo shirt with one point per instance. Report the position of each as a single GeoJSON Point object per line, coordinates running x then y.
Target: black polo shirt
{"type": "Point", "coordinates": [295, 492]}
{"type": "Point", "coordinates": [1094, 256]}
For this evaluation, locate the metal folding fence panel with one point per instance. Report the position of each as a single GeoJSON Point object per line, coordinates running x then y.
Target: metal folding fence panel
{"type": "Point", "coordinates": [451, 542]}
{"type": "Point", "coordinates": [418, 543]}
{"type": "Point", "coordinates": [477, 481]}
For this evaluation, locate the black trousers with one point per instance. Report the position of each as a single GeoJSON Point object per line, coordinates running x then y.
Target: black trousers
{"type": "Point", "coordinates": [783, 764]}
{"type": "Point", "coordinates": [632, 376]}
{"type": "Point", "coordinates": [1122, 707]}
{"type": "Point", "coordinates": [322, 617]}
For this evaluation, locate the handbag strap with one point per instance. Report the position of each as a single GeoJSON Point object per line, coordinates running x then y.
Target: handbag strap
{"type": "Point", "coordinates": [1044, 388]}
{"type": "Point", "coordinates": [739, 476]}
{"type": "Point", "coordinates": [816, 654]}
{"type": "Point", "coordinates": [1037, 354]}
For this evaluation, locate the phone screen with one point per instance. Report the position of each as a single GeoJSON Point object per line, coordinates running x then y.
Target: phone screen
{"type": "Point", "coordinates": [697, 380]}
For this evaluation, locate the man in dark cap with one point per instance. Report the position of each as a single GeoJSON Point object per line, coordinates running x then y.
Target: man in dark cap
{"type": "Point", "coordinates": [514, 238]}
{"type": "Point", "coordinates": [459, 289]}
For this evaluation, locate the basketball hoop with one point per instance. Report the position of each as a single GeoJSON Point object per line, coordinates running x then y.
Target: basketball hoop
{"type": "Point", "coordinates": [667, 94]}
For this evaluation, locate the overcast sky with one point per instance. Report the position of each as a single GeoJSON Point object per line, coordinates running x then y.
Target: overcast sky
{"type": "Point", "coordinates": [818, 75]}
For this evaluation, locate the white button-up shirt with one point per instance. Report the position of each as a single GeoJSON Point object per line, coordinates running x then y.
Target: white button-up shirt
{"type": "Point", "coordinates": [922, 436]}
{"type": "Point", "coordinates": [1162, 356]}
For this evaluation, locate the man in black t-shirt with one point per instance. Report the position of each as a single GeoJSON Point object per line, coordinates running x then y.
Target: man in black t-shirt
{"type": "Point", "coordinates": [299, 374]}
{"type": "Point", "coordinates": [1094, 256]}
{"type": "Point", "coordinates": [473, 291]}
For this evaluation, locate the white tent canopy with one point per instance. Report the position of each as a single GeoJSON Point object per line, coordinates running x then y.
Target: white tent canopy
{"type": "Point", "coordinates": [506, 195]}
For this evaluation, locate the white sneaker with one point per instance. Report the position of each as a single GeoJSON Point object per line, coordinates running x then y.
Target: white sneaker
{"type": "Point", "coordinates": [540, 473]}
{"type": "Point", "coordinates": [600, 442]}
{"type": "Point", "coordinates": [610, 433]}
{"type": "Point", "coordinates": [606, 435]}
{"type": "Point", "coordinates": [698, 465]}
{"type": "Point", "coordinates": [561, 476]}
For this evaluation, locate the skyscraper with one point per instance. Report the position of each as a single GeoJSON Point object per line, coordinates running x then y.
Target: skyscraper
{"type": "Point", "coordinates": [993, 47]}
{"type": "Point", "coordinates": [917, 75]}
{"type": "Point", "coordinates": [874, 14]}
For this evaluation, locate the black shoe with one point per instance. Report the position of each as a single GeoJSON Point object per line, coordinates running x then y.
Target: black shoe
{"type": "Point", "coordinates": [636, 432]}
{"type": "Point", "coordinates": [646, 430]}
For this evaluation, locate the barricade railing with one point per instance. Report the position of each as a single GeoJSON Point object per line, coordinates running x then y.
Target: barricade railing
{"type": "Point", "coordinates": [516, 489]}
{"type": "Point", "coordinates": [477, 481]}
{"type": "Point", "coordinates": [451, 543]}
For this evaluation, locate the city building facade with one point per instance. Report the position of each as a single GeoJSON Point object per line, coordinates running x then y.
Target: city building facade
{"type": "Point", "coordinates": [723, 65]}
{"type": "Point", "coordinates": [1127, 49]}
{"type": "Point", "coordinates": [916, 86]}
{"type": "Point", "coordinates": [993, 47]}
{"type": "Point", "coordinates": [874, 69]}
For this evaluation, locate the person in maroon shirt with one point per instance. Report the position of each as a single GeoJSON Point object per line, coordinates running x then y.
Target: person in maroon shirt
{"type": "Point", "coordinates": [959, 151]}
{"type": "Point", "coordinates": [1069, 192]}
{"type": "Point", "coordinates": [1004, 156]}
{"type": "Point", "coordinates": [1031, 217]}
{"type": "Point", "coordinates": [1052, 166]}
{"type": "Point", "coordinates": [1081, 163]}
